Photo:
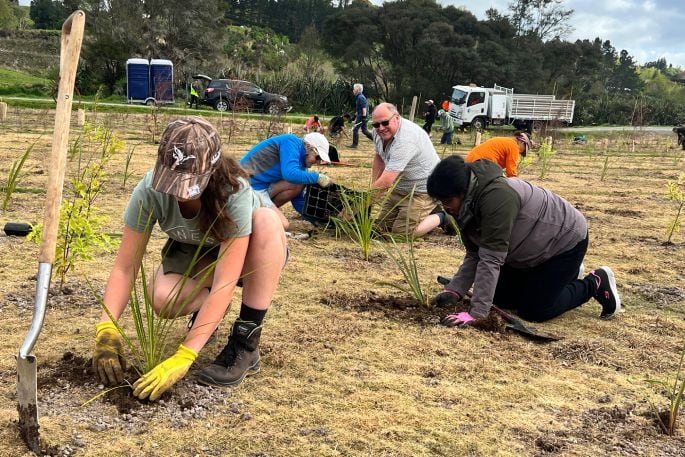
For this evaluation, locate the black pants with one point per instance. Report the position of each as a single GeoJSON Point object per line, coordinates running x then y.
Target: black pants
{"type": "Point", "coordinates": [428, 125]}
{"type": "Point", "coordinates": [194, 99]}
{"type": "Point", "coordinates": [547, 290]}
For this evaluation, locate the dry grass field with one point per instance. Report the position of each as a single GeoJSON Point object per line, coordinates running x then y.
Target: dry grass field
{"type": "Point", "coordinates": [345, 371]}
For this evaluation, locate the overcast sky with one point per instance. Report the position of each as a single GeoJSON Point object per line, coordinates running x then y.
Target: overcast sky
{"type": "Point", "coordinates": [647, 29]}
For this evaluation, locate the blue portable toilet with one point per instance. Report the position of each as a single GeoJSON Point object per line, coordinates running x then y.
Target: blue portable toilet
{"type": "Point", "coordinates": [137, 80]}
{"type": "Point", "coordinates": [162, 80]}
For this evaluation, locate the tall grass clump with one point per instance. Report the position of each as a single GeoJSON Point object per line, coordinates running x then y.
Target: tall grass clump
{"type": "Point", "coordinates": [13, 177]}
{"type": "Point", "coordinates": [358, 222]}
{"type": "Point", "coordinates": [407, 264]}
{"type": "Point", "coordinates": [677, 196]}
{"type": "Point", "coordinates": [674, 390]}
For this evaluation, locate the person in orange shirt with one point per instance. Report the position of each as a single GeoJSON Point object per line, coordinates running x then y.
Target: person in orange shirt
{"type": "Point", "coordinates": [312, 124]}
{"type": "Point", "coordinates": [503, 151]}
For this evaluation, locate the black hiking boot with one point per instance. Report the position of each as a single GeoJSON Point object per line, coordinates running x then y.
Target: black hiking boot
{"type": "Point", "coordinates": [606, 294]}
{"type": "Point", "coordinates": [239, 358]}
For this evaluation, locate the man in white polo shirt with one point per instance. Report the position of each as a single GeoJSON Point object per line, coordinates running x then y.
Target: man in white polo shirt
{"type": "Point", "coordinates": [404, 157]}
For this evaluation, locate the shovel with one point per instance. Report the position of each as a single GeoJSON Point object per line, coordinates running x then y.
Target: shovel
{"type": "Point", "coordinates": [70, 48]}
{"type": "Point", "coordinates": [514, 323]}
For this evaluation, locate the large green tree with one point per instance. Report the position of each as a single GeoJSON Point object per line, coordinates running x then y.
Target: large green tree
{"type": "Point", "coordinates": [165, 29]}
{"type": "Point", "coordinates": [49, 14]}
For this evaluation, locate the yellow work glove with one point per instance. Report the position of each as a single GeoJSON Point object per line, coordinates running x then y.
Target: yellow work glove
{"type": "Point", "coordinates": [156, 381]}
{"type": "Point", "coordinates": [108, 362]}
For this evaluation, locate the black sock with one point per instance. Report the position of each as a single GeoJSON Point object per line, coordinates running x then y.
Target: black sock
{"type": "Point", "coordinates": [251, 315]}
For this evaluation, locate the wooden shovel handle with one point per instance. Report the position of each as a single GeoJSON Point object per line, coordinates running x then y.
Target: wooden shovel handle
{"type": "Point", "coordinates": [70, 50]}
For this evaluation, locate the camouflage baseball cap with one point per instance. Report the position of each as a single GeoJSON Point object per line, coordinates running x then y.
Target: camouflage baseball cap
{"type": "Point", "coordinates": [189, 150]}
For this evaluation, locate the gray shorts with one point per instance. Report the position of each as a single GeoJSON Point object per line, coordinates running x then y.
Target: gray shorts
{"type": "Point", "coordinates": [265, 197]}
{"type": "Point", "coordinates": [178, 257]}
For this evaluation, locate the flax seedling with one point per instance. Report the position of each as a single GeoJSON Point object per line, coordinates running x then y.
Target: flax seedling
{"type": "Point", "coordinates": [13, 177]}
{"type": "Point", "coordinates": [154, 336]}
{"type": "Point", "coordinates": [675, 392]}
{"type": "Point", "coordinates": [677, 196]}
{"type": "Point", "coordinates": [358, 222]}
{"type": "Point", "coordinates": [407, 265]}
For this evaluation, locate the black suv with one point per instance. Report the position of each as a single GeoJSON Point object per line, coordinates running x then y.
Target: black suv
{"type": "Point", "coordinates": [233, 94]}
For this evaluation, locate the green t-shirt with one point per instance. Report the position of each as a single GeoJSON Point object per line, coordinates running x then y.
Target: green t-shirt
{"type": "Point", "coordinates": [145, 202]}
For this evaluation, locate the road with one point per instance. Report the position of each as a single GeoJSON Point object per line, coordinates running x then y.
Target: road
{"type": "Point", "coordinates": [660, 130]}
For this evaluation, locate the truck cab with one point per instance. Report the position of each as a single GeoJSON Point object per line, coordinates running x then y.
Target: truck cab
{"type": "Point", "coordinates": [478, 106]}
{"type": "Point", "coordinates": [482, 106]}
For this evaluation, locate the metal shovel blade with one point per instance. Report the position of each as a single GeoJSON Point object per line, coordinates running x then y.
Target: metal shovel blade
{"type": "Point", "coordinates": [517, 325]}
{"type": "Point", "coordinates": [27, 401]}
{"type": "Point", "coordinates": [27, 365]}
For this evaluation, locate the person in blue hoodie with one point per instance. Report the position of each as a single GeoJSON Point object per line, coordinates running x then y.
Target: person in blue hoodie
{"type": "Point", "coordinates": [278, 168]}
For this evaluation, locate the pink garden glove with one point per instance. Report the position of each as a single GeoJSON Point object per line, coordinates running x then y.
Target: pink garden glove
{"type": "Point", "coordinates": [458, 319]}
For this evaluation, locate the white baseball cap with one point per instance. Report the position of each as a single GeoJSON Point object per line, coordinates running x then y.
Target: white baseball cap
{"type": "Point", "coordinates": [320, 143]}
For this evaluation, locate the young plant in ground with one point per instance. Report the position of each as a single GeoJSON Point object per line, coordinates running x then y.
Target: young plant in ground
{"type": "Point", "coordinates": [13, 177]}
{"type": "Point", "coordinates": [80, 234]}
{"type": "Point", "coordinates": [605, 168]}
{"type": "Point", "coordinates": [677, 196]}
{"type": "Point", "coordinates": [525, 162]}
{"type": "Point", "coordinates": [127, 173]}
{"type": "Point", "coordinates": [358, 221]}
{"type": "Point", "coordinates": [408, 265]}
{"type": "Point", "coordinates": [675, 392]}
{"type": "Point", "coordinates": [154, 339]}
{"type": "Point", "coordinates": [545, 154]}
{"type": "Point", "coordinates": [409, 269]}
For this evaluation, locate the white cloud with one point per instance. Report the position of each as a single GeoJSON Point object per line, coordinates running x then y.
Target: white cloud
{"type": "Point", "coordinates": [647, 29]}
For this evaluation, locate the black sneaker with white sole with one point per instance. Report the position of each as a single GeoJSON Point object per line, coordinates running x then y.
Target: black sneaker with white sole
{"type": "Point", "coordinates": [606, 293]}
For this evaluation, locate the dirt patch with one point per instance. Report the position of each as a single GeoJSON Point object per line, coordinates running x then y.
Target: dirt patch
{"type": "Point", "coordinates": [68, 386]}
{"type": "Point", "coordinates": [623, 212]}
{"type": "Point", "coordinates": [659, 294]}
{"type": "Point", "coordinates": [76, 293]}
{"type": "Point", "coordinates": [355, 255]}
{"type": "Point", "coordinates": [406, 309]}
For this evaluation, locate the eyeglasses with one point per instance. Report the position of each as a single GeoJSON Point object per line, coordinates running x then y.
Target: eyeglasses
{"type": "Point", "coordinates": [384, 123]}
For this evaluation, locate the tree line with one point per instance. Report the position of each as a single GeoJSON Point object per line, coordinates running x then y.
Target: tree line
{"type": "Point", "coordinates": [313, 50]}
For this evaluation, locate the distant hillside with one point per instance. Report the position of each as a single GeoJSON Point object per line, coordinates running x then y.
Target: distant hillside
{"type": "Point", "coordinates": [32, 51]}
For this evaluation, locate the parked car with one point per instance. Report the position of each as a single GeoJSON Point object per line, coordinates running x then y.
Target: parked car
{"type": "Point", "coordinates": [234, 94]}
